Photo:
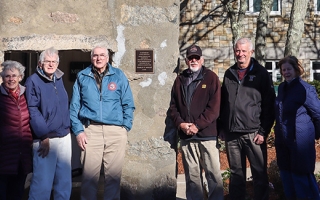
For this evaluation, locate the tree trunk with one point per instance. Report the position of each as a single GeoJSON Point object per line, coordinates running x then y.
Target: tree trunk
{"type": "Point", "coordinates": [296, 27]}
{"type": "Point", "coordinates": [261, 32]}
{"type": "Point", "coordinates": [236, 17]}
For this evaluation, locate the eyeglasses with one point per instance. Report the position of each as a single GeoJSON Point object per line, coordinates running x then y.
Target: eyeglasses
{"type": "Point", "coordinates": [13, 76]}
{"type": "Point", "coordinates": [54, 62]}
{"type": "Point", "coordinates": [102, 56]}
{"type": "Point", "coordinates": [190, 58]}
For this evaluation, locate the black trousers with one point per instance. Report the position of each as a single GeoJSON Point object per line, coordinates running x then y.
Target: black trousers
{"type": "Point", "coordinates": [239, 147]}
{"type": "Point", "coordinates": [12, 186]}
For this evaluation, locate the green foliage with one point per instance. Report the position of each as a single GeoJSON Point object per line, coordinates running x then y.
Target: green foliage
{"type": "Point", "coordinates": [225, 179]}
{"type": "Point", "coordinates": [316, 84]}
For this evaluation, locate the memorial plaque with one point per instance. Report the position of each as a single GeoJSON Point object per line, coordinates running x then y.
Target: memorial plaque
{"type": "Point", "coordinates": [144, 61]}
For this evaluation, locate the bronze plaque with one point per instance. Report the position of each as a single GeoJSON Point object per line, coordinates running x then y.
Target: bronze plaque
{"type": "Point", "coordinates": [144, 61]}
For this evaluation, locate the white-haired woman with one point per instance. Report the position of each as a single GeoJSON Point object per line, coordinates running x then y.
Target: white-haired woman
{"type": "Point", "coordinates": [15, 134]}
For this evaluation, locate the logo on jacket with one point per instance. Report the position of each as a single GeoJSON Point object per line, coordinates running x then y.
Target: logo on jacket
{"type": "Point", "coordinates": [251, 77]}
{"type": "Point", "coordinates": [204, 86]}
{"type": "Point", "coordinates": [112, 86]}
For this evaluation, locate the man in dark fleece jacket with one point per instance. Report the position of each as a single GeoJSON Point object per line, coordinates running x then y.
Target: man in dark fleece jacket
{"type": "Point", "coordinates": [194, 109]}
{"type": "Point", "coordinates": [247, 115]}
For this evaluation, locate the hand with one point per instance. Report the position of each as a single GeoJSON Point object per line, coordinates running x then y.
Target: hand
{"type": "Point", "coordinates": [44, 148]}
{"type": "Point", "coordinates": [185, 127]}
{"type": "Point", "coordinates": [82, 140]}
{"type": "Point", "coordinates": [193, 129]}
{"type": "Point", "coordinates": [258, 139]}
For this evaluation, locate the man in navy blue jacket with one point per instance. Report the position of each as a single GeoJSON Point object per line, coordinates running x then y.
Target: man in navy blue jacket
{"type": "Point", "coordinates": [49, 118]}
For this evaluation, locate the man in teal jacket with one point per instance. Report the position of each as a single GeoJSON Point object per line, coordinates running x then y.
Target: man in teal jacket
{"type": "Point", "coordinates": [101, 113]}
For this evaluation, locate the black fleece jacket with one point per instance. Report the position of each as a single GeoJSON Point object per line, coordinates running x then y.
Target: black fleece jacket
{"type": "Point", "coordinates": [247, 105]}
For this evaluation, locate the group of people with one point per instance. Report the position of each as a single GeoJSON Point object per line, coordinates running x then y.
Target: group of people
{"type": "Point", "coordinates": [36, 121]}
{"type": "Point", "coordinates": [242, 112]}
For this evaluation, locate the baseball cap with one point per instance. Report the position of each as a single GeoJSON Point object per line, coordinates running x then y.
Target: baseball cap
{"type": "Point", "coordinates": [194, 50]}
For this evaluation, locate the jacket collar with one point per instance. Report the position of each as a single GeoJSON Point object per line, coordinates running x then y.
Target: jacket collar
{"type": "Point", "coordinates": [4, 91]}
{"type": "Point", "coordinates": [88, 71]}
{"type": "Point", "coordinates": [57, 74]}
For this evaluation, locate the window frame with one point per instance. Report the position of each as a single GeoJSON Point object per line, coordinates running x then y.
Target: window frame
{"type": "Point", "coordinates": [251, 12]}
{"type": "Point", "coordinates": [312, 71]}
{"type": "Point", "coordinates": [275, 72]}
{"type": "Point", "coordinates": [315, 4]}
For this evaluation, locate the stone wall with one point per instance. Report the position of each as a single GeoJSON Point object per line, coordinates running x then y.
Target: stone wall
{"type": "Point", "coordinates": [214, 35]}
{"type": "Point", "coordinates": [125, 25]}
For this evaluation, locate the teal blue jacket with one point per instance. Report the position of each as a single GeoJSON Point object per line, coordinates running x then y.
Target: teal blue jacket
{"type": "Point", "coordinates": [113, 105]}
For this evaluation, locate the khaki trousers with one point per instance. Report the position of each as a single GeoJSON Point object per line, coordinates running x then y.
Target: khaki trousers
{"type": "Point", "coordinates": [199, 156]}
{"type": "Point", "coordinates": [106, 145]}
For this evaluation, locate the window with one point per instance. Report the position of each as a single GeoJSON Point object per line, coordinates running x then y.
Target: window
{"type": "Point", "coordinates": [315, 70]}
{"type": "Point", "coordinates": [254, 6]}
{"type": "Point", "coordinates": [274, 71]}
{"type": "Point", "coordinates": [317, 6]}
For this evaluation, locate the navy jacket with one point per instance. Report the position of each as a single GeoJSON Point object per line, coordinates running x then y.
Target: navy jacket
{"type": "Point", "coordinates": [48, 105]}
{"type": "Point", "coordinates": [296, 105]}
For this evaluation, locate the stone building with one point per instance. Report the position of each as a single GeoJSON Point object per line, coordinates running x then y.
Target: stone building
{"type": "Point", "coordinates": [203, 22]}
{"type": "Point", "coordinates": [127, 26]}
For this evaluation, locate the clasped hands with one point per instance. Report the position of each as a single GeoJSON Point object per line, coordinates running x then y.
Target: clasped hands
{"type": "Point", "coordinates": [189, 128]}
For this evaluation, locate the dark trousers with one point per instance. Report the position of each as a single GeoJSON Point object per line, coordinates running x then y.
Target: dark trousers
{"type": "Point", "coordinates": [239, 146]}
{"type": "Point", "coordinates": [12, 186]}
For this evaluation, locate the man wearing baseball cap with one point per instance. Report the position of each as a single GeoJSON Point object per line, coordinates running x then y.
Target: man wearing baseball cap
{"type": "Point", "coordinates": [194, 109]}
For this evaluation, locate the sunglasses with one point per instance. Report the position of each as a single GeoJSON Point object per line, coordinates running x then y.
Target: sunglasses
{"type": "Point", "coordinates": [194, 57]}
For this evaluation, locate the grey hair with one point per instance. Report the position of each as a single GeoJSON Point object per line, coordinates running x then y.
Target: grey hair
{"type": "Point", "coordinates": [10, 65]}
{"type": "Point", "coordinates": [49, 52]}
{"type": "Point", "coordinates": [102, 46]}
{"type": "Point", "coordinates": [244, 41]}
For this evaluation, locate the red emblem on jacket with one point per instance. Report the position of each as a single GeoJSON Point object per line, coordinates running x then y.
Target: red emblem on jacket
{"type": "Point", "coordinates": [112, 86]}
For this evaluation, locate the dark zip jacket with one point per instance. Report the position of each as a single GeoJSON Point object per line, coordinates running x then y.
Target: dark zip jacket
{"type": "Point", "coordinates": [247, 105]}
{"type": "Point", "coordinates": [203, 109]}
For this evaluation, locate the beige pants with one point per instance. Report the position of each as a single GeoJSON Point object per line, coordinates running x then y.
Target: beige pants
{"type": "Point", "coordinates": [199, 156]}
{"type": "Point", "coordinates": [106, 145]}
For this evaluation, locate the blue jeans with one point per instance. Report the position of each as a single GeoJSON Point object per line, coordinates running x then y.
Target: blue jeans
{"type": "Point", "coordinates": [52, 171]}
{"type": "Point", "coordinates": [299, 186]}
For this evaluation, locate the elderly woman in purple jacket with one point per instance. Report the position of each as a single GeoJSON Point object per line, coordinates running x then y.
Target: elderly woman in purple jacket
{"type": "Point", "coordinates": [15, 133]}
{"type": "Point", "coordinates": [297, 114]}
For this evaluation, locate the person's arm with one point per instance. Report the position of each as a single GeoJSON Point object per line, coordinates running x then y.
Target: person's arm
{"type": "Point", "coordinates": [174, 113]}
{"type": "Point", "coordinates": [312, 106]}
{"type": "Point", "coordinates": [76, 125]}
{"type": "Point", "coordinates": [127, 104]}
{"type": "Point", "coordinates": [37, 121]}
{"type": "Point", "coordinates": [267, 105]}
